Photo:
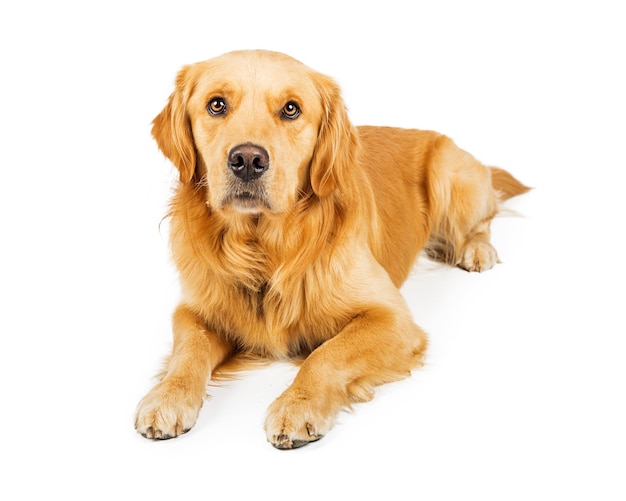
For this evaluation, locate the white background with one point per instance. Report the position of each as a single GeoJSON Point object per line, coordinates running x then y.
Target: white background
{"type": "Point", "coordinates": [523, 393]}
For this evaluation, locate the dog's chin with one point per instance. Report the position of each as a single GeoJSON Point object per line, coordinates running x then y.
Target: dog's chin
{"type": "Point", "coordinates": [247, 204]}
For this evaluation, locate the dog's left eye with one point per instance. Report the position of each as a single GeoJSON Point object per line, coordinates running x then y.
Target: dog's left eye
{"type": "Point", "coordinates": [291, 110]}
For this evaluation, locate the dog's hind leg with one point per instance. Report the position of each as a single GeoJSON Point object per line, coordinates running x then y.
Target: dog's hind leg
{"type": "Point", "coordinates": [464, 196]}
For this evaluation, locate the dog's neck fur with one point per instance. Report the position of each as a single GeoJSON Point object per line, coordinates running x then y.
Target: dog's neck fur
{"type": "Point", "coordinates": [256, 251]}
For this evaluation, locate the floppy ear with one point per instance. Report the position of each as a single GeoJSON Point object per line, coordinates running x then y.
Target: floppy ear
{"type": "Point", "coordinates": [172, 129]}
{"type": "Point", "coordinates": [337, 141]}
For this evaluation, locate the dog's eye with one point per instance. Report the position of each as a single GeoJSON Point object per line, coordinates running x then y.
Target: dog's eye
{"type": "Point", "coordinates": [216, 106]}
{"type": "Point", "coordinates": [291, 110]}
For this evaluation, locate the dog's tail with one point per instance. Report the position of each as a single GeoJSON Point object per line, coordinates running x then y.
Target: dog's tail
{"type": "Point", "coordinates": [506, 185]}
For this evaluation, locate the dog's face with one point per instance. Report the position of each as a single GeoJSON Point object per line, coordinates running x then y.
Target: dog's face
{"type": "Point", "coordinates": [258, 129]}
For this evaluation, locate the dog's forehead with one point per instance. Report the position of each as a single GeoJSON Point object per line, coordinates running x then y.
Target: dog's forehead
{"type": "Point", "coordinates": [264, 71]}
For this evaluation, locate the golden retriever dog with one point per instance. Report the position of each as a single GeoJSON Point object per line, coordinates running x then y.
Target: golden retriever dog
{"type": "Point", "coordinates": [292, 231]}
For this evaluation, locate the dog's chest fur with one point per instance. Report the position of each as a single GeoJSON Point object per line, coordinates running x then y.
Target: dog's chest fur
{"type": "Point", "coordinates": [242, 280]}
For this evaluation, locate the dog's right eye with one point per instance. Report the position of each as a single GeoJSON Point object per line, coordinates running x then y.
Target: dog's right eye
{"type": "Point", "coordinates": [216, 106]}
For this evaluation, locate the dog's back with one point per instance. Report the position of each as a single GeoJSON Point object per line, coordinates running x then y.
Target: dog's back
{"type": "Point", "coordinates": [432, 195]}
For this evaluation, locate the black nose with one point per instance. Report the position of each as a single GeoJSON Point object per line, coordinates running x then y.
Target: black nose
{"type": "Point", "coordinates": [248, 161]}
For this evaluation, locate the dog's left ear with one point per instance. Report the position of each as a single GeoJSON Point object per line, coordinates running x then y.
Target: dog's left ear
{"type": "Point", "coordinates": [337, 141]}
{"type": "Point", "coordinates": [172, 129]}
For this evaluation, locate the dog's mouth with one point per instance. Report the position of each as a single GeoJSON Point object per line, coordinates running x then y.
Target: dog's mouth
{"type": "Point", "coordinates": [247, 202]}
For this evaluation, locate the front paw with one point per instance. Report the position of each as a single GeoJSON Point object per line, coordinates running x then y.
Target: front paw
{"type": "Point", "coordinates": [167, 411]}
{"type": "Point", "coordinates": [294, 420]}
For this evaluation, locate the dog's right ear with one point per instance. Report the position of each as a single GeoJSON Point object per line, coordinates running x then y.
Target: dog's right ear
{"type": "Point", "coordinates": [172, 128]}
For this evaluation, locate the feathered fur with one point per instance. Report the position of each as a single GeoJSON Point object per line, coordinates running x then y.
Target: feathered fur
{"type": "Point", "coordinates": [305, 260]}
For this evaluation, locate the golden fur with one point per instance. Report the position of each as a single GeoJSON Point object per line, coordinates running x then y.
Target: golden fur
{"type": "Point", "coordinates": [305, 260]}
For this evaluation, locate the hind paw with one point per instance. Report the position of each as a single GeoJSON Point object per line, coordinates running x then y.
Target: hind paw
{"type": "Point", "coordinates": [478, 256]}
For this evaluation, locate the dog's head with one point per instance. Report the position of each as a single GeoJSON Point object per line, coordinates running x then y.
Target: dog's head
{"type": "Point", "coordinates": [258, 129]}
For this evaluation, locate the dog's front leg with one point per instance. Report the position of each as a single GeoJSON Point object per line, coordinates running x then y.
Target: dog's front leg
{"type": "Point", "coordinates": [377, 346]}
{"type": "Point", "coordinates": [171, 407]}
